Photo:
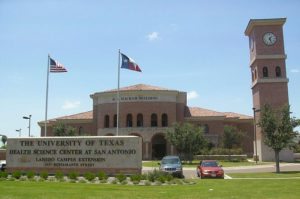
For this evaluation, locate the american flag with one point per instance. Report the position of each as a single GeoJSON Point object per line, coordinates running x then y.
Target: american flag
{"type": "Point", "coordinates": [56, 67]}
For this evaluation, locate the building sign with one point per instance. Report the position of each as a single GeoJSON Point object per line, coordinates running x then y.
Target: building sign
{"type": "Point", "coordinates": [113, 154]}
{"type": "Point", "coordinates": [136, 98]}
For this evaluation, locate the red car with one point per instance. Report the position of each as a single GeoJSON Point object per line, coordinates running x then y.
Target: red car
{"type": "Point", "coordinates": [209, 169]}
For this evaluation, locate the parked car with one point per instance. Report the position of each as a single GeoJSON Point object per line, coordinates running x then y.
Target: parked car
{"type": "Point", "coordinates": [172, 165]}
{"type": "Point", "coordinates": [210, 169]}
{"type": "Point", "coordinates": [2, 165]}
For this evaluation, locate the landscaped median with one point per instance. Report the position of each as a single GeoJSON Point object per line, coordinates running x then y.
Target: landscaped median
{"type": "Point", "coordinates": [154, 177]}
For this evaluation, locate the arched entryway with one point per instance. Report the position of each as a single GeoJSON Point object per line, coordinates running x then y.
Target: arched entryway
{"type": "Point", "coordinates": [159, 146]}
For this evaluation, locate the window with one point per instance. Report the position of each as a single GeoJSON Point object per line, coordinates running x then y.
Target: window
{"type": "Point", "coordinates": [115, 120]}
{"type": "Point", "coordinates": [265, 72]}
{"type": "Point", "coordinates": [164, 120]}
{"type": "Point", "coordinates": [106, 121]}
{"type": "Point", "coordinates": [206, 129]}
{"type": "Point", "coordinates": [80, 130]}
{"type": "Point", "coordinates": [139, 120]}
{"type": "Point", "coordinates": [255, 74]}
{"type": "Point", "coordinates": [153, 120]}
{"type": "Point", "coordinates": [278, 71]}
{"type": "Point", "coordinates": [129, 120]}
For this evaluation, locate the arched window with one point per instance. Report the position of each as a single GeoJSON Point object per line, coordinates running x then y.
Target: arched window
{"type": "Point", "coordinates": [80, 130]}
{"type": "Point", "coordinates": [106, 121]}
{"type": "Point", "coordinates": [115, 120]}
{"type": "Point", "coordinates": [265, 72]}
{"type": "Point", "coordinates": [139, 120]}
{"type": "Point", "coordinates": [206, 128]}
{"type": "Point", "coordinates": [153, 119]}
{"type": "Point", "coordinates": [278, 71]}
{"type": "Point", "coordinates": [164, 120]}
{"type": "Point", "coordinates": [129, 120]}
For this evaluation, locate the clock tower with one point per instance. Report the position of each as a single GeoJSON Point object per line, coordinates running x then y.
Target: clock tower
{"type": "Point", "coordinates": [269, 79]}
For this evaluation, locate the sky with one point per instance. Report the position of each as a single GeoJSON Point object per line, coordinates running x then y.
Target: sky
{"type": "Point", "coordinates": [194, 46]}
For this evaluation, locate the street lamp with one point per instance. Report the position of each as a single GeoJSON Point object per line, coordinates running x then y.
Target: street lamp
{"type": "Point", "coordinates": [28, 118]}
{"type": "Point", "coordinates": [20, 131]}
{"type": "Point", "coordinates": [255, 142]}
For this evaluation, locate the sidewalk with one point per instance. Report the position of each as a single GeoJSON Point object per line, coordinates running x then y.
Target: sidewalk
{"type": "Point", "coordinates": [296, 167]}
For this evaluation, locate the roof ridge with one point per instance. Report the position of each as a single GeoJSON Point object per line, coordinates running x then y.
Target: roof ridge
{"type": "Point", "coordinates": [66, 116]}
{"type": "Point", "coordinates": [139, 87]}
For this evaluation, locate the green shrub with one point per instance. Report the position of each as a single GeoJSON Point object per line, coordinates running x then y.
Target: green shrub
{"type": "Point", "coordinates": [121, 177]}
{"type": "Point", "coordinates": [17, 174]}
{"type": "Point", "coordinates": [89, 176]}
{"type": "Point", "coordinates": [44, 175]}
{"type": "Point", "coordinates": [30, 174]}
{"type": "Point", "coordinates": [135, 178]}
{"type": "Point", "coordinates": [59, 175]}
{"type": "Point", "coordinates": [154, 175]}
{"type": "Point", "coordinates": [73, 175]}
{"type": "Point", "coordinates": [144, 177]}
{"type": "Point", "coordinates": [135, 182]}
{"type": "Point", "coordinates": [102, 175]}
{"type": "Point", "coordinates": [124, 182]}
{"type": "Point", "coordinates": [169, 177]}
{"type": "Point", "coordinates": [3, 174]}
{"type": "Point", "coordinates": [224, 151]}
{"type": "Point", "coordinates": [147, 183]}
{"type": "Point", "coordinates": [161, 179]}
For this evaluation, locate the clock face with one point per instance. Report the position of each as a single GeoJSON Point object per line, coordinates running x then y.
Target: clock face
{"type": "Point", "coordinates": [269, 38]}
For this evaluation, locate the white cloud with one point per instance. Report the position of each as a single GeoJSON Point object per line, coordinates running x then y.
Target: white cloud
{"type": "Point", "coordinates": [192, 95]}
{"type": "Point", "coordinates": [295, 71]}
{"type": "Point", "coordinates": [153, 36]}
{"type": "Point", "coordinates": [71, 105]}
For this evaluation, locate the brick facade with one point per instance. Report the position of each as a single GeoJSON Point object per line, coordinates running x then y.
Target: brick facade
{"type": "Point", "coordinates": [138, 104]}
{"type": "Point", "coordinates": [269, 79]}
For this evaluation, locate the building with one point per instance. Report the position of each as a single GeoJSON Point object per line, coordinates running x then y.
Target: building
{"type": "Point", "coordinates": [269, 79]}
{"type": "Point", "coordinates": [148, 111]}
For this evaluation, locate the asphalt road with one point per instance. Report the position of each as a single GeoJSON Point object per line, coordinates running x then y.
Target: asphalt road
{"type": "Point", "coordinates": [190, 173]}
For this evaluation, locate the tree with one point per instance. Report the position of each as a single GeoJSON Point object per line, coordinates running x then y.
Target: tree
{"type": "Point", "coordinates": [277, 129]}
{"type": "Point", "coordinates": [3, 140]}
{"type": "Point", "coordinates": [187, 139]}
{"type": "Point", "coordinates": [60, 129]}
{"type": "Point", "coordinates": [232, 137]}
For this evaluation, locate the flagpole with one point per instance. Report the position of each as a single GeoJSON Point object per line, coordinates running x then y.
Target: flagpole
{"type": "Point", "coordinates": [118, 94]}
{"type": "Point", "coordinates": [47, 88]}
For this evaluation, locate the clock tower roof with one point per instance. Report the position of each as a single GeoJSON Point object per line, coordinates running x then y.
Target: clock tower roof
{"type": "Point", "coordinates": [263, 22]}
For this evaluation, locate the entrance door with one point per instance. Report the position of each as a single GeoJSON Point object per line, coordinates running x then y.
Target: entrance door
{"type": "Point", "coordinates": [159, 146]}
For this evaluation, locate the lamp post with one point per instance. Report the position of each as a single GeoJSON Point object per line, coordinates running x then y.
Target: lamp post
{"type": "Point", "coordinates": [28, 118]}
{"type": "Point", "coordinates": [20, 131]}
{"type": "Point", "coordinates": [255, 142]}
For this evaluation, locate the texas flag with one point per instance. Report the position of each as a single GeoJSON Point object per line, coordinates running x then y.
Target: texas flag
{"type": "Point", "coordinates": [129, 63]}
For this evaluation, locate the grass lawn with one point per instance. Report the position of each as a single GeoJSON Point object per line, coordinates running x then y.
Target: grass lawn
{"type": "Point", "coordinates": [210, 188]}
{"type": "Point", "coordinates": [196, 162]}
{"type": "Point", "coordinates": [286, 174]}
